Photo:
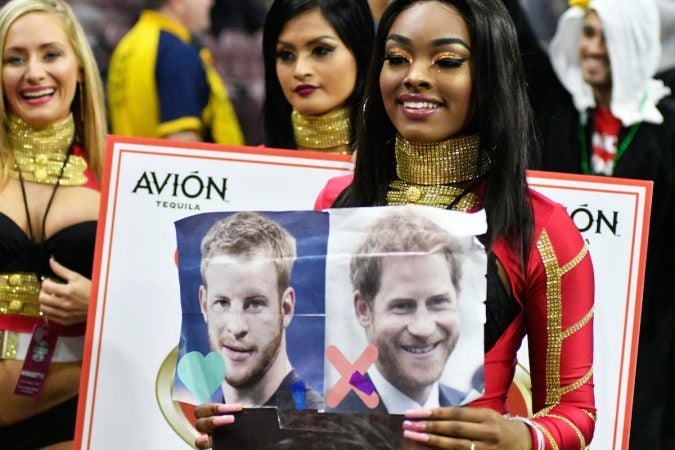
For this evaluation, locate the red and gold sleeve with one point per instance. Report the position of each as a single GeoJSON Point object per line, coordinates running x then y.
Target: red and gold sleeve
{"type": "Point", "coordinates": [559, 319]}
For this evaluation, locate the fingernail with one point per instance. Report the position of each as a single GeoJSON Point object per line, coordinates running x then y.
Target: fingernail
{"type": "Point", "coordinates": [418, 413]}
{"type": "Point", "coordinates": [223, 420]}
{"type": "Point", "coordinates": [415, 436]}
{"type": "Point", "coordinates": [414, 426]}
{"type": "Point", "coordinates": [230, 407]}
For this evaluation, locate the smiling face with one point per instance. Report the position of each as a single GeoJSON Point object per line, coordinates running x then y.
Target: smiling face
{"type": "Point", "coordinates": [413, 320]}
{"type": "Point", "coordinates": [426, 75]}
{"type": "Point", "coordinates": [40, 70]}
{"type": "Point", "coordinates": [316, 71]}
{"type": "Point", "coordinates": [595, 66]}
{"type": "Point", "coordinates": [245, 314]}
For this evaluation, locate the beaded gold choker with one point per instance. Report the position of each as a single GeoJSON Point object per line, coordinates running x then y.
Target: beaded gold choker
{"type": "Point", "coordinates": [427, 171]}
{"type": "Point", "coordinates": [322, 132]}
{"type": "Point", "coordinates": [452, 161]}
{"type": "Point", "coordinates": [39, 155]}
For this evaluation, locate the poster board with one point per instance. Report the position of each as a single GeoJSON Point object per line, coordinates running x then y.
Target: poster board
{"type": "Point", "coordinates": [135, 320]}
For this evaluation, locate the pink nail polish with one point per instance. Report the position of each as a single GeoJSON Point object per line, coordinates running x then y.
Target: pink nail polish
{"type": "Point", "coordinates": [223, 420]}
{"type": "Point", "coordinates": [418, 413]}
{"type": "Point", "coordinates": [414, 426]}
{"type": "Point", "coordinates": [230, 407]}
{"type": "Point", "coordinates": [415, 436]}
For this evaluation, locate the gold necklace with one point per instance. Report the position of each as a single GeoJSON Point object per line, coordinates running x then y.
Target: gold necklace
{"type": "Point", "coordinates": [427, 170]}
{"type": "Point", "coordinates": [323, 131]}
{"type": "Point", "coordinates": [40, 154]}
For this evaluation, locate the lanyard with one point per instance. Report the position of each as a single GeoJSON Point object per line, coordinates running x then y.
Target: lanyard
{"type": "Point", "coordinates": [623, 145]}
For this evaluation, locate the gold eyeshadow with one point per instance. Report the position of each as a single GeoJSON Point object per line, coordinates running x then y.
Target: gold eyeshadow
{"type": "Point", "coordinates": [396, 51]}
{"type": "Point", "coordinates": [442, 55]}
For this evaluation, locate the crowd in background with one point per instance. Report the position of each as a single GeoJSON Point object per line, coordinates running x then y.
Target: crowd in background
{"type": "Point", "coordinates": [235, 39]}
{"type": "Point", "coordinates": [257, 56]}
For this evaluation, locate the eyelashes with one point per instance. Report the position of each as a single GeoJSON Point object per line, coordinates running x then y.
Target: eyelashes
{"type": "Point", "coordinates": [397, 57]}
{"type": "Point", "coordinates": [448, 59]}
{"type": "Point", "coordinates": [317, 52]}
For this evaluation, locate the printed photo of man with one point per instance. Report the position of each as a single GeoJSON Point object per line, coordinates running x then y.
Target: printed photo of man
{"type": "Point", "coordinates": [406, 283]}
{"type": "Point", "coordinates": [248, 303]}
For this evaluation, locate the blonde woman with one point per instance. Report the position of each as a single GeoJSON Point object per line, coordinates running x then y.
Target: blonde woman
{"type": "Point", "coordinates": [51, 145]}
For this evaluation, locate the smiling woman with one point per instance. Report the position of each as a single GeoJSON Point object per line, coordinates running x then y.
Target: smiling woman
{"type": "Point", "coordinates": [51, 145]}
{"type": "Point", "coordinates": [40, 72]}
{"type": "Point", "coordinates": [411, 59]}
{"type": "Point", "coordinates": [446, 123]}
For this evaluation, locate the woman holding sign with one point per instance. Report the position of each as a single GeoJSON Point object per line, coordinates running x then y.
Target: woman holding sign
{"type": "Point", "coordinates": [316, 54]}
{"type": "Point", "coordinates": [446, 123]}
{"type": "Point", "coordinates": [51, 144]}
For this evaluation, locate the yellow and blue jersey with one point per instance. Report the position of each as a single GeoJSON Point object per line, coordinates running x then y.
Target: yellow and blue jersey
{"type": "Point", "coordinates": [161, 82]}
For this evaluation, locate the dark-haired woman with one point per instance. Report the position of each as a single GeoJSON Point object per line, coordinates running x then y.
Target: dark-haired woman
{"type": "Point", "coordinates": [316, 54]}
{"type": "Point", "coordinates": [447, 123]}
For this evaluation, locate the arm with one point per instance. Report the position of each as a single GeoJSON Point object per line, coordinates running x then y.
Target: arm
{"type": "Point", "coordinates": [182, 89]}
{"type": "Point", "coordinates": [559, 319]}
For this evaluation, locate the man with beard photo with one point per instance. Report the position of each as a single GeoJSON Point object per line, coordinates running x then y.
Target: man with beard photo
{"type": "Point", "coordinates": [247, 303]}
{"type": "Point", "coordinates": [406, 276]}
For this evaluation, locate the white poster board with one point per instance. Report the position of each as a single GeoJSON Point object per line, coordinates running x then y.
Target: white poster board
{"type": "Point", "coordinates": [135, 317]}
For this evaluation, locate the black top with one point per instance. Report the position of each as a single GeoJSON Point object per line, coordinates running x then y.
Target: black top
{"type": "Point", "coordinates": [72, 247]}
{"type": "Point", "coordinates": [291, 393]}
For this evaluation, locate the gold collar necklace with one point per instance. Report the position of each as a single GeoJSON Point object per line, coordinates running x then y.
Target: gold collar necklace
{"type": "Point", "coordinates": [323, 131]}
{"type": "Point", "coordinates": [40, 155]}
{"type": "Point", "coordinates": [427, 170]}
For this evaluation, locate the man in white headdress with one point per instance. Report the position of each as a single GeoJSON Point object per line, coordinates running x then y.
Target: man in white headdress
{"type": "Point", "coordinates": [600, 111]}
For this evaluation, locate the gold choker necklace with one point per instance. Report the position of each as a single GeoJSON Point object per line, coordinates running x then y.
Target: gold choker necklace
{"type": "Point", "coordinates": [41, 155]}
{"type": "Point", "coordinates": [427, 170]}
{"type": "Point", "coordinates": [322, 132]}
{"type": "Point", "coordinates": [451, 161]}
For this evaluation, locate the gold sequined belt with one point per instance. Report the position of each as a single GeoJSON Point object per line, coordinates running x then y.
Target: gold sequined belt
{"type": "Point", "coordinates": [14, 345]}
{"type": "Point", "coordinates": [19, 294]}
{"type": "Point", "coordinates": [20, 310]}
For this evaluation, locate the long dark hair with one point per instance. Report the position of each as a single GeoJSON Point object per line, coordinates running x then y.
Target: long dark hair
{"type": "Point", "coordinates": [501, 116]}
{"type": "Point", "coordinates": [352, 21]}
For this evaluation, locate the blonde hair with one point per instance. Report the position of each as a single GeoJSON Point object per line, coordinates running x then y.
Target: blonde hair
{"type": "Point", "coordinates": [90, 123]}
{"type": "Point", "coordinates": [244, 234]}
